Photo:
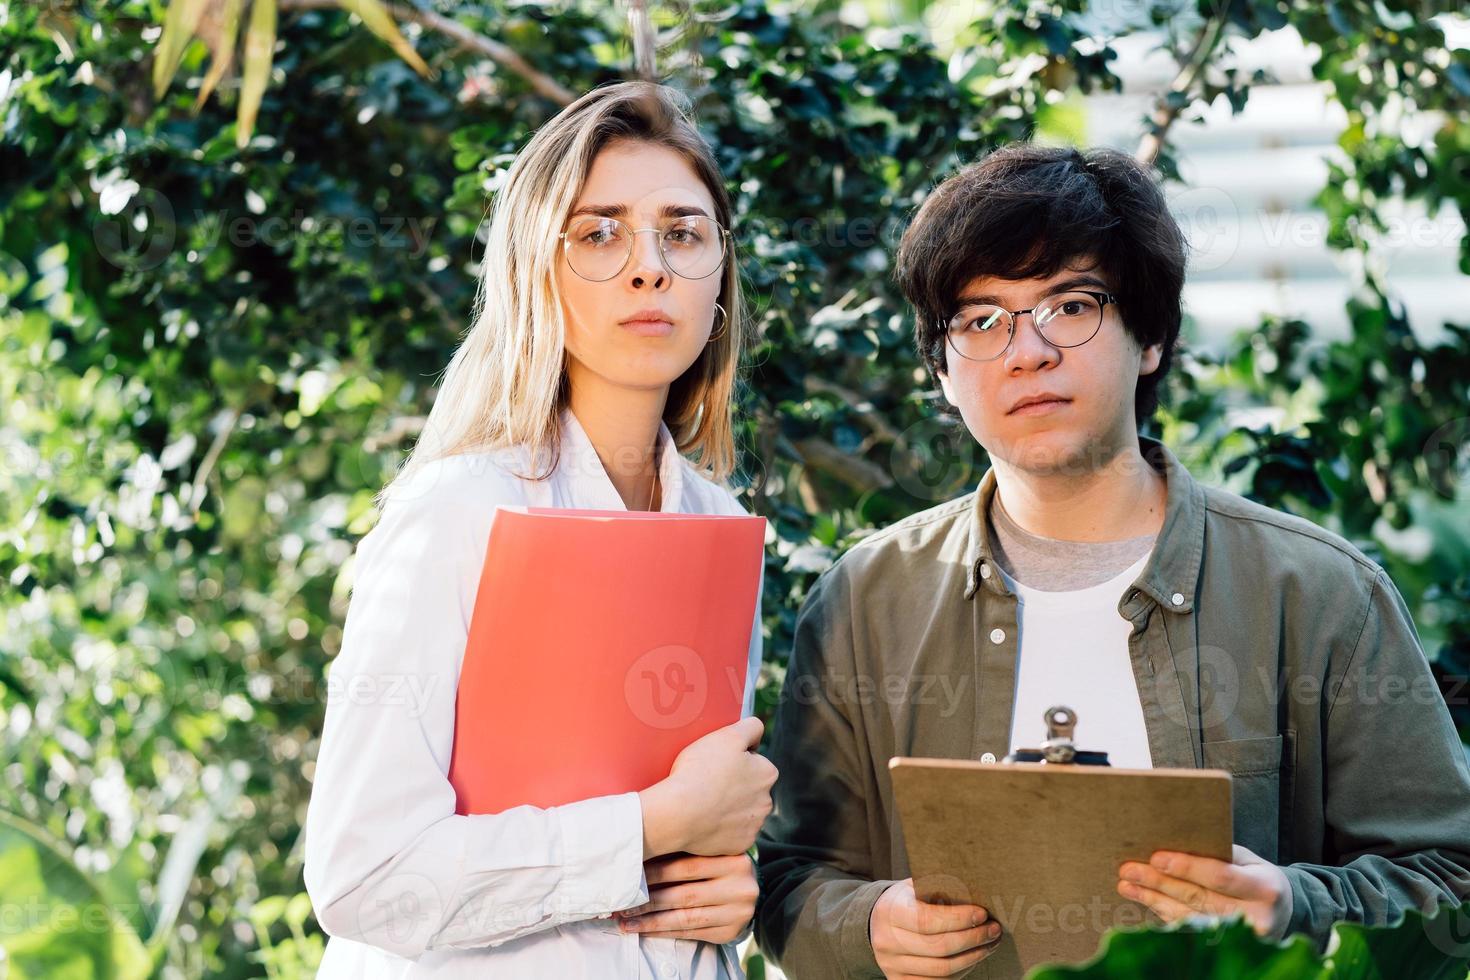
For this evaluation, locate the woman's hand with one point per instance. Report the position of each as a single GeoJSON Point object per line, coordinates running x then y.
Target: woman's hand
{"type": "Point", "coordinates": [1177, 886]}
{"type": "Point", "coordinates": [715, 798]}
{"type": "Point", "coordinates": [693, 897]}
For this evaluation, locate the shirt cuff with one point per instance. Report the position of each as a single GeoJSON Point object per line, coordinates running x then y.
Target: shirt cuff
{"type": "Point", "coordinates": [857, 939]}
{"type": "Point", "coordinates": [602, 856]}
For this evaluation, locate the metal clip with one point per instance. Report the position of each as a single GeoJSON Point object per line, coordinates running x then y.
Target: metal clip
{"type": "Point", "coordinates": [1058, 746]}
{"type": "Point", "coordinates": [1059, 749]}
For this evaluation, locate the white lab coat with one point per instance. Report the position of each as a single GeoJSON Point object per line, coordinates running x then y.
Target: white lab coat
{"type": "Point", "coordinates": [404, 886]}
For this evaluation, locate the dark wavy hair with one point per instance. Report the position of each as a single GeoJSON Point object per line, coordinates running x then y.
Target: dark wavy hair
{"type": "Point", "coordinates": [1026, 211]}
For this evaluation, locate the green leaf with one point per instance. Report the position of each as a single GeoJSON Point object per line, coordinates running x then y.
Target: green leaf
{"type": "Point", "coordinates": [60, 924]}
{"type": "Point", "coordinates": [179, 25]}
{"type": "Point", "coordinates": [376, 18]}
{"type": "Point", "coordinates": [1217, 951]}
{"type": "Point", "coordinates": [260, 41]}
{"type": "Point", "coordinates": [222, 48]}
{"type": "Point", "coordinates": [1424, 947]}
{"type": "Point", "coordinates": [1435, 947]}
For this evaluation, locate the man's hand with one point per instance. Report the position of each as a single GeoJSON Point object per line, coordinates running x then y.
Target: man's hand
{"type": "Point", "coordinates": [692, 897]}
{"type": "Point", "coordinates": [1177, 886]}
{"type": "Point", "coordinates": [916, 939]}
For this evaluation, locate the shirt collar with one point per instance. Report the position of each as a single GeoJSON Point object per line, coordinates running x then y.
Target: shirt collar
{"type": "Point", "coordinates": [1172, 572]}
{"type": "Point", "coordinates": [591, 488]}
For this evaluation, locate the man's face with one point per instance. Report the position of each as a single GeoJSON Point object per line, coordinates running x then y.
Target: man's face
{"type": "Point", "coordinates": [1095, 381]}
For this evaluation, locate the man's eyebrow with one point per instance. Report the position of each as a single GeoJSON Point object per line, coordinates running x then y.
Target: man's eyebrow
{"type": "Point", "coordinates": [620, 211]}
{"type": "Point", "coordinates": [1072, 282]}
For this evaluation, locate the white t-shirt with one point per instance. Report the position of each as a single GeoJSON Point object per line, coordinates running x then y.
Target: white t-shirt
{"type": "Point", "coordinates": [1074, 651]}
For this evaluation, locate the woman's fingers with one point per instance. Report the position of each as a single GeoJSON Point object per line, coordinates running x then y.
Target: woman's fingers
{"type": "Point", "coordinates": [723, 934]}
{"type": "Point", "coordinates": [672, 897]}
{"type": "Point", "coordinates": [674, 868]}
{"type": "Point", "coordinates": [728, 882]}
{"type": "Point", "coordinates": [684, 919]}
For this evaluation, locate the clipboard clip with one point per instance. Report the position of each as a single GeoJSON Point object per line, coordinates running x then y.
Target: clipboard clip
{"type": "Point", "coordinates": [1058, 749]}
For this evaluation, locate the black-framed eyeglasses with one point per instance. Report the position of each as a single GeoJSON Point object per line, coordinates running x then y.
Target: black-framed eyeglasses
{"type": "Point", "coordinates": [597, 249]}
{"type": "Point", "coordinates": [1068, 319]}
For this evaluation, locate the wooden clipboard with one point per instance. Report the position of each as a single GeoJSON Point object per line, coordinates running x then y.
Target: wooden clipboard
{"type": "Point", "coordinates": [1039, 845]}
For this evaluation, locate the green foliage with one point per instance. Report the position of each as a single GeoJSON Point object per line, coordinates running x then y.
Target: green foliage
{"type": "Point", "coordinates": [1418, 946]}
{"type": "Point", "coordinates": [211, 358]}
{"type": "Point", "coordinates": [296, 955]}
{"type": "Point", "coordinates": [60, 924]}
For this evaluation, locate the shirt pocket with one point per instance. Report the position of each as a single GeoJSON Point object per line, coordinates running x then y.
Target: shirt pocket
{"type": "Point", "coordinates": [1257, 768]}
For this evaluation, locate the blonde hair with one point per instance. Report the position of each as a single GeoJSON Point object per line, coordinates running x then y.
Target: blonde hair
{"type": "Point", "coordinates": [506, 384]}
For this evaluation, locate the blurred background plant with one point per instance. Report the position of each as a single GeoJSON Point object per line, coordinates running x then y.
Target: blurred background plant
{"type": "Point", "coordinates": [225, 297]}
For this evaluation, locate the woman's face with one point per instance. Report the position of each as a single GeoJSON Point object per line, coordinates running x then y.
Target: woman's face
{"type": "Point", "coordinates": [645, 326]}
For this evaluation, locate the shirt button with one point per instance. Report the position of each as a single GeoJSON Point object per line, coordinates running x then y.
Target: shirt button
{"type": "Point", "coordinates": [997, 636]}
{"type": "Point", "coordinates": [985, 571]}
{"type": "Point", "coordinates": [988, 757]}
{"type": "Point", "coordinates": [667, 969]}
{"type": "Point", "coordinates": [1177, 599]}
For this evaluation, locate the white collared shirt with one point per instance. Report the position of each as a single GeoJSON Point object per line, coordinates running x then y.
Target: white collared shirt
{"type": "Point", "coordinates": [407, 888]}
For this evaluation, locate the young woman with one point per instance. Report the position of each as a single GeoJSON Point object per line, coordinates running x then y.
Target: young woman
{"type": "Point", "coordinates": [598, 374]}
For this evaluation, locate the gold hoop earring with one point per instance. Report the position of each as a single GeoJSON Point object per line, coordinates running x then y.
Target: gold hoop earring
{"type": "Point", "coordinates": [724, 325]}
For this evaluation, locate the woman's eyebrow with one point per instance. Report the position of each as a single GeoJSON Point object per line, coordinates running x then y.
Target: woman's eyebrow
{"type": "Point", "coordinates": [602, 210]}
{"type": "Point", "coordinates": [620, 211]}
{"type": "Point", "coordinates": [681, 211]}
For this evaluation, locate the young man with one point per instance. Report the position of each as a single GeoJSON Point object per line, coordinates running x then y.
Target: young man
{"type": "Point", "coordinates": [1187, 626]}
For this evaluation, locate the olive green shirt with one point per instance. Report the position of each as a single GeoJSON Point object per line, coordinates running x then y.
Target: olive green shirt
{"type": "Point", "coordinates": [1262, 644]}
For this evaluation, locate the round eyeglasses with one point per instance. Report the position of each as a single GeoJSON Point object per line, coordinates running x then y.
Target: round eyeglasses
{"type": "Point", "coordinates": [1068, 319]}
{"type": "Point", "coordinates": [693, 246]}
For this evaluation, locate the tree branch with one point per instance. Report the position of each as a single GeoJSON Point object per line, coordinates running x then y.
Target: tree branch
{"type": "Point", "coordinates": [643, 39]}
{"type": "Point", "coordinates": [854, 471]}
{"type": "Point", "coordinates": [861, 407]}
{"type": "Point", "coordinates": [503, 55]}
{"type": "Point", "coordinates": [398, 430]}
{"type": "Point", "coordinates": [211, 457]}
{"type": "Point", "coordinates": [1166, 110]}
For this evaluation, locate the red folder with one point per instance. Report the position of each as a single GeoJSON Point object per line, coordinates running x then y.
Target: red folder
{"type": "Point", "coordinates": [602, 643]}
